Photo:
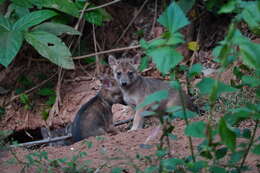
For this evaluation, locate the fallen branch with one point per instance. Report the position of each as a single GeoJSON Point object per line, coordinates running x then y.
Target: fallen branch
{"type": "Point", "coordinates": [107, 51]}
{"type": "Point", "coordinates": [101, 6]}
{"type": "Point", "coordinates": [44, 141]}
{"type": "Point", "coordinates": [60, 138]}
{"type": "Point", "coordinates": [121, 122]}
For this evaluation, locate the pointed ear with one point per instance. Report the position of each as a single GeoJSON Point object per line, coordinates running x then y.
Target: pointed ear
{"type": "Point", "coordinates": [112, 61]}
{"type": "Point", "coordinates": [136, 61]}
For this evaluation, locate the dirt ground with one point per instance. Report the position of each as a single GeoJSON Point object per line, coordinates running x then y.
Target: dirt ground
{"type": "Point", "coordinates": [80, 85]}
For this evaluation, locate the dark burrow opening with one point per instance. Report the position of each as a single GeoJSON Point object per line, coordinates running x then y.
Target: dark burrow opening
{"type": "Point", "coordinates": [40, 135]}
{"type": "Point", "coordinates": [22, 136]}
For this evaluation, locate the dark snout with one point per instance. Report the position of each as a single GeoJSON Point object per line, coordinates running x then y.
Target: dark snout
{"type": "Point", "coordinates": [123, 84]}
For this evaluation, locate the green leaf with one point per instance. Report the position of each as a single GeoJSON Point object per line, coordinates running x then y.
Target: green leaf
{"type": "Point", "coordinates": [207, 84]}
{"type": "Point", "coordinates": [66, 6]}
{"type": "Point", "coordinates": [250, 52]}
{"type": "Point", "coordinates": [216, 169]}
{"type": "Point", "coordinates": [220, 153]}
{"type": "Point", "coordinates": [46, 92]}
{"type": "Point", "coordinates": [1, 1]}
{"type": "Point", "coordinates": [197, 166]}
{"type": "Point", "coordinates": [11, 44]}
{"type": "Point", "coordinates": [50, 47]}
{"type": "Point", "coordinates": [51, 100]}
{"type": "Point", "coordinates": [172, 163]}
{"type": "Point", "coordinates": [180, 114]}
{"type": "Point", "coordinates": [154, 97]}
{"type": "Point", "coordinates": [24, 98]}
{"type": "Point", "coordinates": [165, 58]}
{"type": "Point", "coordinates": [5, 25]}
{"type": "Point", "coordinates": [186, 5]}
{"type": "Point", "coordinates": [57, 29]}
{"type": "Point", "coordinates": [227, 135]}
{"type": "Point", "coordinates": [173, 18]}
{"type": "Point", "coordinates": [236, 157]}
{"type": "Point", "coordinates": [256, 149]}
{"type": "Point", "coordinates": [151, 169]}
{"type": "Point", "coordinates": [251, 15]}
{"type": "Point", "coordinates": [196, 129]}
{"type": "Point", "coordinates": [32, 19]}
{"type": "Point", "coordinates": [195, 70]}
{"type": "Point", "coordinates": [23, 3]}
{"type": "Point", "coordinates": [251, 80]}
{"type": "Point", "coordinates": [144, 63]}
{"type": "Point", "coordinates": [228, 7]}
{"type": "Point", "coordinates": [116, 170]}
{"type": "Point", "coordinates": [20, 10]}
{"type": "Point", "coordinates": [175, 39]}
{"type": "Point", "coordinates": [97, 16]}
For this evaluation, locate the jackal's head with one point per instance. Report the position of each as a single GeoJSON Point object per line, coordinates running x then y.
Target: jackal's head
{"type": "Point", "coordinates": [110, 90]}
{"type": "Point", "coordinates": [125, 70]}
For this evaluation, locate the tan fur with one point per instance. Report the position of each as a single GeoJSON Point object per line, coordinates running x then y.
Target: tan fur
{"type": "Point", "coordinates": [135, 88]}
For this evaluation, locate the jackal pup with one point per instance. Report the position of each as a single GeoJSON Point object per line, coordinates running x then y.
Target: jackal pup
{"type": "Point", "coordinates": [135, 87]}
{"type": "Point", "coordinates": [95, 117]}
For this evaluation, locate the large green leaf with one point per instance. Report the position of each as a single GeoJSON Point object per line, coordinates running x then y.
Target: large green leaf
{"type": "Point", "coordinates": [173, 18]}
{"type": "Point", "coordinates": [32, 19]}
{"type": "Point", "coordinates": [207, 84]}
{"type": "Point", "coordinates": [154, 97]}
{"type": "Point", "coordinates": [23, 3]}
{"type": "Point", "coordinates": [250, 53]}
{"type": "Point", "coordinates": [5, 25]}
{"type": "Point", "coordinates": [251, 15]}
{"type": "Point", "coordinates": [66, 6]}
{"type": "Point", "coordinates": [165, 58]}
{"type": "Point", "coordinates": [50, 47]}
{"type": "Point", "coordinates": [172, 164]}
{"type": "Point", "coordinates": [196, 129]}
{"type": "Point", "coordinates": [11, 42]}
{"type": "Point", "coordinates": [186, 5]}
{"type": "Point", "coordinates": [57, 29]}
{"type": "Point", "coordinates": [227, 135]}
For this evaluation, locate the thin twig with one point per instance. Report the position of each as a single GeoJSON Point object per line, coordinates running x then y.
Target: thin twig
{"type": "Point", "coordinates": [81, 15]}
{"type": "Point", "coordinates": [131, 22]}
{"type": "Point", "coordinates": [55, 108]}
{"type": "Point", "coordinates": [249, 146]}
{"type": "Point", "coordinates": [95, 47]}
{"type": "Point", "coordinates": [187, 123]}
{"type": "Point", "coordinates": [101, 6]}
{"type": "Point", "coordinates": [31, 89]}
{"type": "Point", "coordinates": [155, 17]}
{"type": "Point", "coordinates": [107, 51]}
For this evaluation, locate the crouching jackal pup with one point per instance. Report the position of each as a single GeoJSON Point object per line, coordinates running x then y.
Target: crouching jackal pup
{"type": "Point", "coordinates": [135, 87]}
{"type": "Point", "coordinates": [95, 117]}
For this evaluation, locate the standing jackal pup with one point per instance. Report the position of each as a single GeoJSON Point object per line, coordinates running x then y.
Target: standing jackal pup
{"type": "Point", "coordinates": [95, 117]}
{"type": "Point", "coordinates": [135, 87]}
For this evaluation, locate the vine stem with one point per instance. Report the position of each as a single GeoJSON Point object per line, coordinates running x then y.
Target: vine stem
{"type": "Point", "coordinates": [187, 123]}
{"type": "Point", "coordinates": [249, 146]}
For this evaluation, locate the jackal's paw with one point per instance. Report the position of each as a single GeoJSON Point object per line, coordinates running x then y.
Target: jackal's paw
{"type": "Point", "coordinates": [132, 129]}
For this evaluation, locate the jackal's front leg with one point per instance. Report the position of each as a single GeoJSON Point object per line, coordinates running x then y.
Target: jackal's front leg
{"type": "Point", "coordinates": [138, 120]}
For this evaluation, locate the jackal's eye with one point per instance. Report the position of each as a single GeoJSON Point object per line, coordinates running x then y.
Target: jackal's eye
{"type": "Point", "coordinates": [130, 74]}
{"type": "Point", "coordinates": [118, 74]}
